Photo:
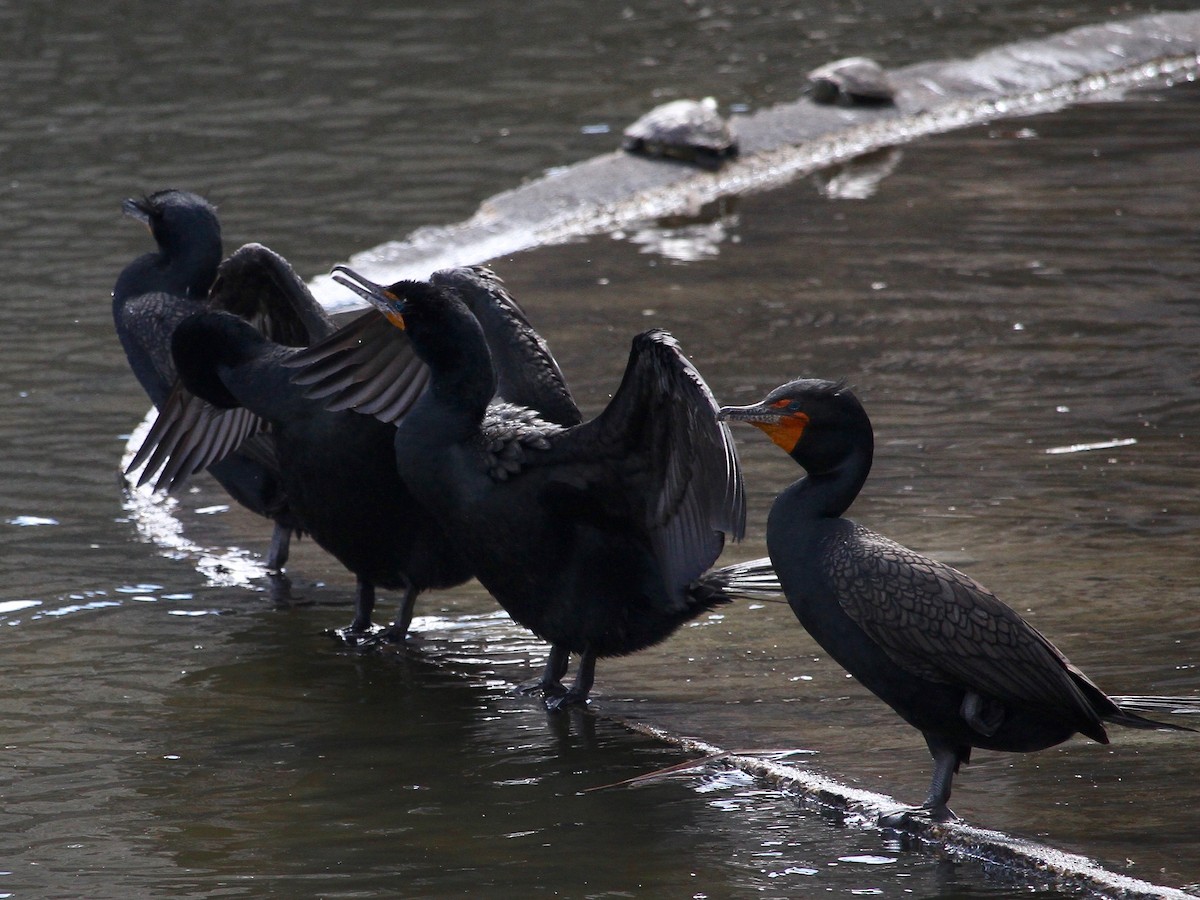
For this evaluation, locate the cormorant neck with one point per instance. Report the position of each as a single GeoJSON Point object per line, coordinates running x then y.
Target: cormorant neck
{"type": "Point", "coordinates": [195, 264]}
{"type": "Point", "coordinates": [827, 492]}
{"type": "Point", "coordinates": [462, 381]}
{"type": "Point", "coordinates": [186, 269]}
{"type": "Point", "coordinates": [467, 386]}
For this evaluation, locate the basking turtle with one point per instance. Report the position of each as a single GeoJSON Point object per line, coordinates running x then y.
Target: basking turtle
{"type": "Point", "coordinates": [691, 131]}
{"type": "Point", "coordinates": [854, 81]}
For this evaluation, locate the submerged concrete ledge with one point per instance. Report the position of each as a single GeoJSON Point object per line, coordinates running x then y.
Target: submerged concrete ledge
{"type": "Point", "coordinates": [616, 190]}
{"type": "Point", "coordinates": [1008, 857]}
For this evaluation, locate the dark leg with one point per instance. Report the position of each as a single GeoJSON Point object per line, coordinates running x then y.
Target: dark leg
{"type": "Point", "coordinates": [945, 764]}
{"type": "Point", "coordinates": [585, 677]}
{"type": "Point", "coordinates": [946, 759]}
{"type": "Point", "coordinates": [364, 605]}
{"type": "Point", "coordinates": [281, 544]}
{"type": "Point", "coordinates": [398, 630]}
{"type": "Point", "coordinates": [550, 683]}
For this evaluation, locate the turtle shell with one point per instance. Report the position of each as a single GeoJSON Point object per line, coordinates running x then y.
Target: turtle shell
{"type": "Point", "coordinates": [850, 82]}
{"type": "Point", "coordinates": [688, 130]}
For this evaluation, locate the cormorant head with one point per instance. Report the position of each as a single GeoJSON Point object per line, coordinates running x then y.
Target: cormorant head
{"type": "Point", "coordinates": [177, 219]}
{"type": "Point", "coordinates": [444, 333]}
{"type": "Point", "coordinates": [818, 423]}
{"type": "Point", "coordinates": [205, 342]}
{"type": "Point", "coordinates": [394, 300]}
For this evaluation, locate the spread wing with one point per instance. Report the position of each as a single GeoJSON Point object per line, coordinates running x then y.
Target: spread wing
{"type": "Point", "coordinates": [189, 435]}
{"type": "Point", "coordinates": [367, 365]}
{"type": "Point", "coordinates": [942, 625]}
{"type": "Point", "coordinates": [260, 286]}
{"type": "Point", "coordinates": [659, 445]}
{"type": "Point", "coordinates": [527, 374]}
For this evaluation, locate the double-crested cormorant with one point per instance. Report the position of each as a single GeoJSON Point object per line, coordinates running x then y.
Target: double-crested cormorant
{"type": "Point", "coordinates": [159, 290]}
{"type": "Point", "coordinates": [596, 537]}
{"type": "Point", "coordinates": [954, 661]}
{"type": "Point", "coordinates": [339, 467]}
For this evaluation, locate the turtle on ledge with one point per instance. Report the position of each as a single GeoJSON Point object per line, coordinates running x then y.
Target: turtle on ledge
{"type": "Point", "coordinates": [854, 81]}
{"type": "Point", "coordinates": [690, 131]}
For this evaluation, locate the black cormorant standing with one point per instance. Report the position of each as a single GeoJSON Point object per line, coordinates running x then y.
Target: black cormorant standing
{"type": "Point", "coordinates": [954, 661]}
{"type": "Point", "coordinates": [160, 289]}
{"type": "Point", "coordinates": [596, 537]}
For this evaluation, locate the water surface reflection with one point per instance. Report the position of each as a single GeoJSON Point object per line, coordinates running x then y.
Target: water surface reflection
{"type": "Point", "coordinates": [1000, 293]}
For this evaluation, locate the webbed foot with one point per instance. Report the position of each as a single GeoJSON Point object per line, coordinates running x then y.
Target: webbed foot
{"type": "Point", "coordinates": [578, 694]}
{"type": "Point", "coordinates": [566, 700]}
{"type": "Point", "coordinates": [355, 635]}
{"type": "Point", "coordinates": [547, 688]}
{"type": "Point", "coordinates": [361, 628]}
{"type": "Point", "coordinates": [900, 817]}
{"type": "Point", "coordinates": [392, 634]}
{"type": "Point", "coordinates": [550, 684]}
{"type": "Point", "coordinates": [279, 589]}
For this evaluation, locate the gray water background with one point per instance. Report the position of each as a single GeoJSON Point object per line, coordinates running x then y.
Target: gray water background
{"type": "Point", "coordinates": [1005, 291]}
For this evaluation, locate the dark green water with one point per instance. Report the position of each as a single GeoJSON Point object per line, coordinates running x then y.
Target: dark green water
{"type": "Point", "coordinates": [1005, 291]}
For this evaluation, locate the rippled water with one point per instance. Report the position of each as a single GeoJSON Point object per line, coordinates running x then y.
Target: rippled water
{"type": "Point", "coordinates": [998, 294]}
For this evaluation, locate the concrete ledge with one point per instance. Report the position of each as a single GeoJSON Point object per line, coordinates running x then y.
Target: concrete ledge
{"type": "Point", "coordinates": [778, 144]}
{"type": "Point", "coordinates": [1010, 858]}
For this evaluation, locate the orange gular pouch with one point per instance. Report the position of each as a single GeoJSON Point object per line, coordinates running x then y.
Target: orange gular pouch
{"type": "Point", "coordinates": [786, 430]}
{"type": "Point", "coordinates": [392, 311]}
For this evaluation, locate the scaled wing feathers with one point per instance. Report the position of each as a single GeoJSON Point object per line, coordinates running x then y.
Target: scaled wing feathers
{"type": "Point", "coordinates": [938, 623]}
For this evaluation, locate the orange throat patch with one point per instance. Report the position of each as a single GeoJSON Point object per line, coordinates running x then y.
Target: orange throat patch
{"type": "Point", "coordinates": [785, 431]}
